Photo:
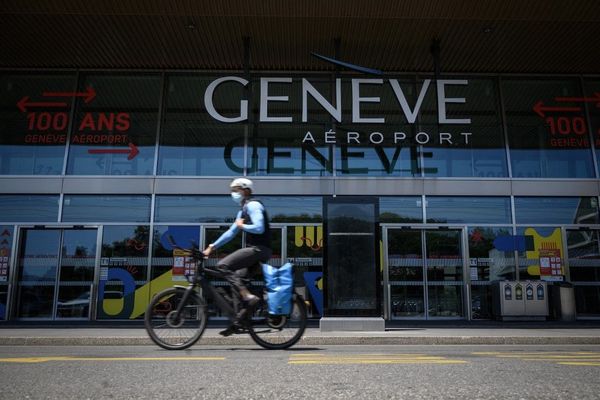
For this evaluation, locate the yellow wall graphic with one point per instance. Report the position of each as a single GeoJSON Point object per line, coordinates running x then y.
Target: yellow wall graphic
{"type": "Point", "coordinates": [545, 248]}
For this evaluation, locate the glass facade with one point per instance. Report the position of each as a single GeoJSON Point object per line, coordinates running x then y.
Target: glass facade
{"type": "Point", "coordinates": [411, 141]}
{"type": "Point", "coordinates": [200, 124]}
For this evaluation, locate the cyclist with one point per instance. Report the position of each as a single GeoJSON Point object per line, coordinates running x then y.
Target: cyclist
{"type": "Point", "coordinates": [252, 218]}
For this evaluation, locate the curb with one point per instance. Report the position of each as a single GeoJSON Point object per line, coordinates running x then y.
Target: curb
{"type": "Point", "coordinates": [310, 340]}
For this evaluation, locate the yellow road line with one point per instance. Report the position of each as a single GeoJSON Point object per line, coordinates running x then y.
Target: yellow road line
{"type": "Point", "coordinates": [46, 359]}
{"type": "Point", "coordinates": [378, 362]}
{"type": "Point", "coordinates": [371, 359]}
{"type": "Point", "coordinates": [594, 364]}
{"type": "Point", "coordinates": [493, 353]}
{"type": "Point", "coordinates": [585, 358]}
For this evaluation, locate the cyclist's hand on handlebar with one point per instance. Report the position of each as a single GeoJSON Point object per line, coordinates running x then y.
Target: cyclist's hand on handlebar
{"type": "Point", "coordinates": [239, 223]}
{"type": "Point", "coordinates": [208, 250]}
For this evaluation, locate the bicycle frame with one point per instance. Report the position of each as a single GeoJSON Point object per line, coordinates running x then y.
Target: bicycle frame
{"type": "Point", "coordinates": [208, 290]}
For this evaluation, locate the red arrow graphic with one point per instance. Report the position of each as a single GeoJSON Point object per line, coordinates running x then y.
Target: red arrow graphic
{"type": "Point", "coordinates": [539, 109]}
{"type": "Point", "coordinates": [594, 99]}
{"type": "Point", "coordinates": [89, 94]}
{"type": "Point", "coordinates": [132, 151]}
{"type": "Point", "coordinates": [23, 104]}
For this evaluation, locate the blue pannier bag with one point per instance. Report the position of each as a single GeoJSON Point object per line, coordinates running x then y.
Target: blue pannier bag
{"type": "Point", "coordinates": [280, 284]}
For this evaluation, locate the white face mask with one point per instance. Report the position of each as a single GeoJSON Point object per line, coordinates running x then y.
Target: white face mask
{"type": "Point", "coordinates": [237, 197]}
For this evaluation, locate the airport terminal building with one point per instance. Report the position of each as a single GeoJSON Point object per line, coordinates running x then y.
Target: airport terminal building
{"type": "Point", "coordinates": [414, 158]}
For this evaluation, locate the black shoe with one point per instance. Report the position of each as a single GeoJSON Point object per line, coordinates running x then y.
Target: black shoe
{"type": "Point", "coordinates": [231, 330]}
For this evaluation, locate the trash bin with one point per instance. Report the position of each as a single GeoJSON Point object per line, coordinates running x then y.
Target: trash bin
{"type": "Point", "coordinates": [563, 301]}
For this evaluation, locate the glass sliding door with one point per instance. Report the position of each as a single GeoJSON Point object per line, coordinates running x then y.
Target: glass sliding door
{"type": "Point", "coordinates": [425, 273]}
{"type": "Point", "coordinates": [444, 263]}
{"type": "Point", "coordinates": [77, 264]}
{"type": "Point", "coordinates": [405, 273]}
{"type": "Point", "coordinates": [37, 265]}
{"type": "Point", "coordinates": [583, 254]}
{"type": "Point", "coordinates": [56, 272]}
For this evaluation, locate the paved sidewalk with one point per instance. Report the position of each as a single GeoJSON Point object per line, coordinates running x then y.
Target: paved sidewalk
{"type": "Point", "coordinates": [490, 334]}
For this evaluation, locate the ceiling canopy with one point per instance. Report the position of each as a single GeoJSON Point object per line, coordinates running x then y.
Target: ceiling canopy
{"type": "Point", "coordinates": [512, 36]}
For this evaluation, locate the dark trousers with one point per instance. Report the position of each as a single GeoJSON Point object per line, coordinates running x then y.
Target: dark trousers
{"type": "Point", "coordinates": [236, 266]}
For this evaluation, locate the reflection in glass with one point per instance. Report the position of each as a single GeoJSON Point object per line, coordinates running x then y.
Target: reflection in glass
{"type": "Point", "coordinates": [592, 88]}
{"type": "Point", "coordinates": [407, 301]}
{"type": "Point", "coordinates": [488, 263]}
{"type": "Point", "coordinates": [194, 209]}
{"type": "Point", "coordinates": [405, 255]}
{"type": "Point", "coordinates": [114, 132]}
{"type": "Point", "coordinates": [474, 149]}
{"type": "Point", "coordinates": [107, 208]}
{"type": "Point", "coordinates": [583, 251]}
{"type": "Point", "coordinates": [124, 260]}
{"type": "Point", "coordinates": [279, 150]}
{"type": "Point", "coordinates": [444, 256]}
{"type": "Point", "coordinates": [445, 301]}
{"type": "Point", "coordinates": [162, 253]}
{"type": "Point", "coordinates": [78, 260]}
{"type": "Point", "coordinates": [305, 251]}
{"type": "Point", "coordinates": [294, 208]}
{"type": "Point", "coordinates": [545, 144]}
{"type": "Point", "coordinates": [481, 301]}
{"type": "Point", "coordinates": [556, 210]}
{"type": "Point", "coordinates": [37, 266]}
{"type": "Point", "coordinates": [400, 209]}
{"type": "Point", "coordinates": [29, 208]}
{"type": "Point", "coordinates": [191, 141]}
{"type": "Point", "coordinates": [33, 139]}
{"type": "Point", "coordinates": [466, 209]}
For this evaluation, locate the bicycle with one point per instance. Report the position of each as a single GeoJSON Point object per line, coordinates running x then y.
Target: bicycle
{"type": "Point", "coordinates": [177, 317]}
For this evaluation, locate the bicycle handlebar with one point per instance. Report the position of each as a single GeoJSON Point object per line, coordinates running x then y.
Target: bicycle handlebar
{"type": "Point", "coordinates": [196, 253]}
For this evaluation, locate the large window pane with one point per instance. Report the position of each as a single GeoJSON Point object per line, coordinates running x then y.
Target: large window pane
{"type": "Point", "coordinates": [123, 271]}
{"type": "Point", "coordinates": [163, 254]}
{"type": "Point", "coordinates": [556, 210]}
{"type": "Point", "coordinates": [34, 123]}
{"type": "Point", "coordinates": [32, 208]}
{"type": "Point", "coordinates": [194, 209]}
{"type": "Point", "coordinates": [191, 141]}
{"type": "Point", "coordinates": [116, 208]}
{"type": "Point", "coordinates": [547, 132]}
{"type": "Point", "coordinates": [400, 209]}
{"type": "Point", "coordinates": [487, 263]}
{"type": "Point", "coordinates": [471, 148]}
{"type": "Point", "coordinates": [292, 148]}
{"type": "Point", "coordinates": [294, 208]}
{"type": "Point", "coordinates": [375, 137]}
{"type": "Point", "coordinates": [591, 89]}
{"type": "Point", "coordinates": [114, 132]}
{"type": "Point", "coordinates": [457, 209]}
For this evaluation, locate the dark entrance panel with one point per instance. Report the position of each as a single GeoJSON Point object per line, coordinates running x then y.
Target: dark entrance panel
{"type": "Point", "coordinates": [352, 276]}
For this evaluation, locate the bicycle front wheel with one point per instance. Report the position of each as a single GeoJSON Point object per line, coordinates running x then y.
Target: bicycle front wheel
{"type": "Point", "coordinates": [169, 329]}
{"type": "Point", "coordinates": [277, 332]}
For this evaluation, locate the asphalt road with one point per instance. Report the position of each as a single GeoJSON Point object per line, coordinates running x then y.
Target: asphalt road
{"type": "Point", "coordinates": [324, 372]}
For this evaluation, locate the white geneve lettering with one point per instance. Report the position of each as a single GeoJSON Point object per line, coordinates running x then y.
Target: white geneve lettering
{"type": "Point", "coordinates": [208, 100]}
{"type": "Point", "coordinates": [308, 89]}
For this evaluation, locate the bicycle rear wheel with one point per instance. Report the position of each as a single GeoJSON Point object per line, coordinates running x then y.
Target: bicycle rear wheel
{"type": "Point", "coordinates": [277, 332]}
{"type": "Point", "coordinates": [169, 330]}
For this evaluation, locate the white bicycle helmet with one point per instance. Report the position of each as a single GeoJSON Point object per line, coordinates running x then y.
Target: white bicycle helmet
{"type": "Point", "coordinates": [242, 183]}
